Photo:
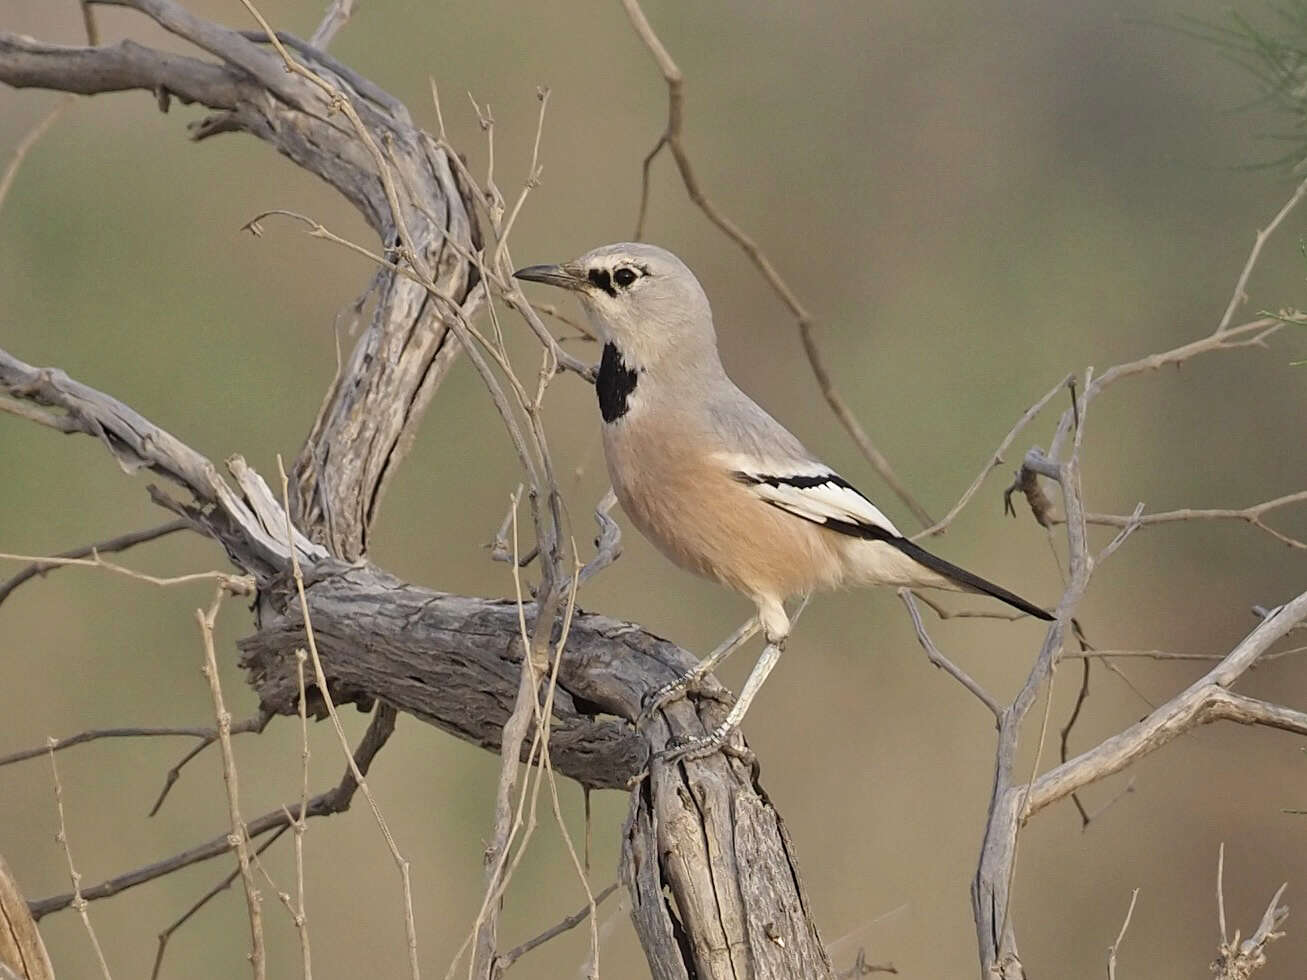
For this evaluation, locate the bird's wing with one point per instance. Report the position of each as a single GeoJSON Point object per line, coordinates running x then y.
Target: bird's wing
{"type": "Point", "coordinates": [811, 490]}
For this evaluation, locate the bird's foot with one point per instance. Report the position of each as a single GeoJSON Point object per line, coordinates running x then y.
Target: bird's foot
{"type": "Point", "coordinates": [690, 683]}
{"type": "Point", "coordinates": [682, 749]}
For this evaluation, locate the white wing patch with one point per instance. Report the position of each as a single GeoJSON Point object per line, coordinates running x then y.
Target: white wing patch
{"type": "Point", "coordinates": [809, 490]}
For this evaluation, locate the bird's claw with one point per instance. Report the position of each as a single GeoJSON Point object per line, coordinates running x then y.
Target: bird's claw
{"type": "Point", "coordinates": [691, 683]}
{"type": "Point", "coordinates": [684, 749]}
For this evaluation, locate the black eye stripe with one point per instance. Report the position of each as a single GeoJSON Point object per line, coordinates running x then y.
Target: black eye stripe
{"type": "Point", "coordinates": [619, 278]}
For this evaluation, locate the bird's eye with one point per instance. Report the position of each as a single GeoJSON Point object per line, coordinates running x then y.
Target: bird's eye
{"type": "Point", "coordinates": [624, 276]}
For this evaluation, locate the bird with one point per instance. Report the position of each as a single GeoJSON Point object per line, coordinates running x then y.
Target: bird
{"type": "Point", "coordinates": [711, 479]}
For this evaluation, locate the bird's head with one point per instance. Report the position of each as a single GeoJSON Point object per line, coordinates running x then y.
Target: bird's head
{"type": "Point", "coordinates": [640, 298]}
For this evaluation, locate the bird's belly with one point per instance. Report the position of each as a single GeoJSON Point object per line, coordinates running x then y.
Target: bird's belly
{"type": "Point", "coordinates": [706, 523]}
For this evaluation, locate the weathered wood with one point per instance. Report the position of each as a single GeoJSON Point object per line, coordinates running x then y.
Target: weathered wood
{"type": "Point", "coordinates": [453, 661]}
{"type": "Point", "coordinates": [21, 948]}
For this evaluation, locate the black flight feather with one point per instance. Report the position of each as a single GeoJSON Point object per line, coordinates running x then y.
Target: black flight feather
{"type": "Point", "coordinates": [913, 550]}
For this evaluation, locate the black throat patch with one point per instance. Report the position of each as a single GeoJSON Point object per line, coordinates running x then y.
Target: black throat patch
{"type": "Point", "coordinates": [615, 383]}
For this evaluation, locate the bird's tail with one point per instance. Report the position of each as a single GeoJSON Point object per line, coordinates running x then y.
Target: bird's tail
{"type": "Point", "coordinates": [964, 579]}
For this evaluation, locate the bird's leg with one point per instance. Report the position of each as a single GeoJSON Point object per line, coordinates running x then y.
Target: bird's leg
{"type": "Point", "coordinates": [776, 626]}
{"type": "Point", "coordinates": [690, 680]}
{"type": "Point", "coordinates": [716, 739]}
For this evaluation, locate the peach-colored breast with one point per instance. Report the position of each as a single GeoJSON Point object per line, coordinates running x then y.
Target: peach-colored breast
{"type": "Point", "coordinates": [698, 515]}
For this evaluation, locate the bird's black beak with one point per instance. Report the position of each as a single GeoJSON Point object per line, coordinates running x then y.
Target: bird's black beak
{"type": "Point", "coordinates": [563, 276]}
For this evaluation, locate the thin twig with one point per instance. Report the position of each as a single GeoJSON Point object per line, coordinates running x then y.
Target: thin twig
{"type": "Point", "coordinates": [300, 825]}
{"type": "Point", "coordinates": [335, 800]}
{"type": "Point", "coordinates": [580, 868]}
{"type": "Point", "coordinates": [240, 835]}
{"type": "Point", "coordinates": [337, 16]}
{"type": "Point", "coordinates": [943, 662]}
{"type": "Point", "coordinates": [1251, 334]}
{"type": "Point", "coordinates": [995, 460]}
{"type": "Point", "coordinates": [78, 901]}
{"type": "Point", "coordinates": [1116, 798]}
{"type": "Point", "coordinates": [506, 960]}
{"type": "Point", "coordinates": [120, 543]}
{"type": "Point", "coordinates": [242, 584]}
{"type": "Point", "coordinates": [1241, 285]}
{"type": "Point", "coordinates": [862, 967]}
{"type": "Point", "coordinates": [941, 611]}
{"type": "Point", "coordinates": [1220, 892]}
{"type": "Point", "coordinates": [30, 140]}
{"type": "Point", "coordinates": [1251, 515]}
{"type": "Point", "coordinates": [95, 734]}
{"type": "Point", "coordinates": [320, 679]}
{"type": "Point", "coordinates": [1081, 696]}
{"type": "Point", "coordinates": [204, 899]}
{"type": "Point", "coordinates": [1237, 960]}
{"type": "Point", "coordinates": [1172, 655]}
{"type": "Point", "coordinates": [1111, 950]}
{"type": "Point", "coordinates": [255, 724]}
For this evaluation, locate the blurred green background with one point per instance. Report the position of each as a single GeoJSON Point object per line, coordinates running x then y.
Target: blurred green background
{"type": "Point", "coordinates": [973, 201]}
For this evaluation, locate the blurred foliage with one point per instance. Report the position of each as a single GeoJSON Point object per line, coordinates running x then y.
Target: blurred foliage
{"type": "Point", "coordinates": [1270, 44]}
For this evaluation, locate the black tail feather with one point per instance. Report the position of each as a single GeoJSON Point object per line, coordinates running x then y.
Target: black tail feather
{"type": "Point", "coordinates": [965, 578]}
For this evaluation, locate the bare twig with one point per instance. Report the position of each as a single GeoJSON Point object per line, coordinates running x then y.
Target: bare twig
{"type": "Point", "coordinates": [95, 734]}
{"type": "Point", "coordinates": [1237, 960]}
{"type": "Point", "coordinates": [506, 960]}
{"type": "Point", "coordinates": [320, 679]}
{"type": "Point", "coordinates": [78, 901]}
{"type": "Point", "coordinates": [1251, 515]}
{"type": "Point", "coordinates": [1254, 333]}
{"type": "Point", "coordinates": [337, 16]}
{"type": "Point", "coordinates": [862, 968]}
{"type": "Point", "coordinates": [1116, 798]}
{"type": "Point", "coordinates": [298, 912]}
{"type": "Point", "coordinates": [505, 824]}
{"type": "Point", "coordinates": [1220, 892]}
{"type": "Point", "coordinates": [671, 139]}
{"type": "Point", "coordinates": [27, 142]}
{"type": "Point", "coordinates": [207, 737]}
{"type": "Point", "coordinates": [1111, 950]}
{"type": "Point", "coordinates": [335, 800]}
{"type": "Point", "coordinates": [1207, 699]}
{"type": "Point", "coordinates": [942, 662]}
{"type": "Point", "coordinates": [1108, 655]}
{"type": "Point", "coordinates": [225, 580]}
{"type": "Point", "coordinates": [995, 460]}
{"type": "Point", "coordinates": [1081, 696]}
{"type": "Point", "coordinates": [239, 833]}
{"type": "Point", "coordinates": [204, 900]}
{"type": "Point", "coordinates": [941, 611]}
{"type": "Point", "coordinates": [1241, 285]}
{"type": "Point", "coordinates": [120, 543]}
